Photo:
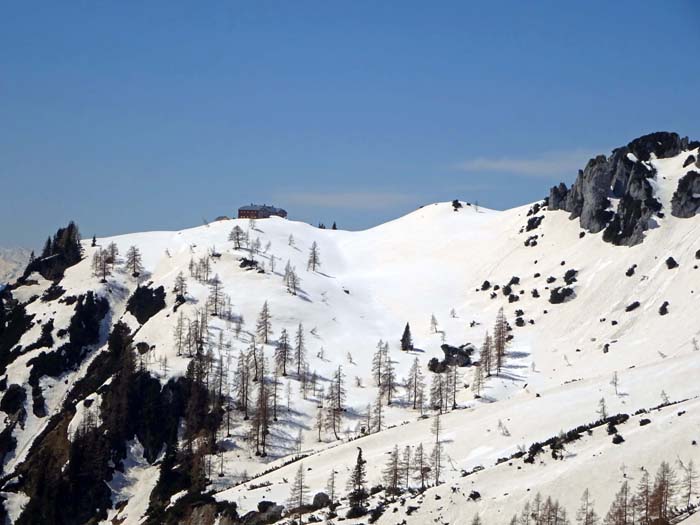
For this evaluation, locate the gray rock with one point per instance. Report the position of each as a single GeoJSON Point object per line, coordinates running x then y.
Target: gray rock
{"type": "Point", "coordinates": [321, 500]}
{"type": "Point", "coordinates": [624, 176]}
{"type": "Point", "coordinates": [557, 197]}
{"type": "Point", "coordinates": [685, 202]}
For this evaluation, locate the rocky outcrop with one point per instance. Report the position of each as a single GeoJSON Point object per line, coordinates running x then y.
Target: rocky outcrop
{"type": "Point", "coordinates": [624, 175]}
{"type": "Point", "coordinates": [685, 202]}
{"type": "Point", "coordinates": [146, 302]}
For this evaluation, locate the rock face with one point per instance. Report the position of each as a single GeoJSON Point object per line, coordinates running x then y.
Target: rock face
{"type": "Point", "coordinates": [625, 175]}
{"type": "Point", "coordinates": [685, 202]}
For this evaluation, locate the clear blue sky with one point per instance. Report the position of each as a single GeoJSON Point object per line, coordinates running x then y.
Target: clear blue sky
{"type": "Point", "coordinates": [130, 116]}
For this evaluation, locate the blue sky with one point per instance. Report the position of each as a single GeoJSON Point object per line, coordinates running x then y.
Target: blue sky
{"type": "Point", "coordinates": [130, 116]}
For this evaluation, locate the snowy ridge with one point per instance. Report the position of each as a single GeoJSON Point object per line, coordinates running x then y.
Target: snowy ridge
{"type": "Point", "coordinates": [433, 261]}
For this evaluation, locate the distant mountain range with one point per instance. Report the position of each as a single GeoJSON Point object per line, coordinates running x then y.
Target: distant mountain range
{"type": "Point", "coordinates": [12, 263]}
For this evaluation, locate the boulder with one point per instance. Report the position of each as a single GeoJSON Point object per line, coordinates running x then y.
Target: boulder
{"type": "Point", "coordinates": [685, 202]}
{"type": "Point", "coordinates": [321, 500]}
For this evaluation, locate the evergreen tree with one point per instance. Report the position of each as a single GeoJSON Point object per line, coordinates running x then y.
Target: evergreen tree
{"type": "Point", "coordinates": [689, 480]}
{"type": "Point", "coordinates": [500, 339]}
{"type": "Point", "coordinates": [405, 468]}
{"type": "Point", "coordinates": [663, 492]}
{"type": "Point", "coordinates": [436, 455]}
{"type": "Point", "coordinates": [216, 295]}
{"type": "Point", "coordinates": [100, 265]}
{"type": "Point", "coordinates": [642, 499]}
{"type": "Point", "coordinates": [242, 383]}
{"type": "Point", "coordinates": [433, 324]}
{"type": "Point", "coordinates": [378, 412]}
{"type": "Point", "coordinates": [602, 410]}
{"type": "Point", "coordinates": [415, 385]}
{"type": "Point", "coordinates": [112, 253]}
{"type": "Point", "coordinates": [180, 286]}
{"type": "Point", "coordinates": [357, 483]}
{"type": "Point", "coordinates": [314, 258]}
{"type": "Point", "coordinates": [378, 361]}
{"type": "Point", "coordinates": [420, 467]}
{"type": "Point", "coordinates": [48, 249]}
{"type": "Point", "coordinates": [620, 512]}
{"type": "Point", "coordinates": [335, 402]}
{"type": "Point", "coordinates": [264, 324]}
{"type": "Point", "coordinates": [299, 491]}
{"type": "Point", "coordinates": [299, 349]}
{"type": "Point", "coordinates": [330, 486]}
{"type": "Point", "coordinates": [180, 334]}
{"type": "Point", "coordinates": [261, 421]}
{"type": "Point", "coordinates": [283, 355]}
{"type": "Point", "coordinates": [391, 473]}
{"type": "Point", "coordinates": [134, 261]}
{"type": "Point", "coordinates": [478, 380]}
{"type": "Point", "coordinates": [406, 341]}
{"type": "Point", "coordinates": [388, 378]}
{"type": "Point", "coordinates": [485, 356]}
{"type": "Point", "coordinates": [586, 514]}
{"type": "Point", "coordinates": [237, 235]}
{"type": "Point", "coordinates": [438, 393]}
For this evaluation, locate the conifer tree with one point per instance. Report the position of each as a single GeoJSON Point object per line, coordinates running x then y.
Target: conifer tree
{"type": "Point", "coordinates": [299, 491]}
{"type": "Point", "coordinates": [101, 266]}
{"type": "Point", "coordinates": [330, 486]}
{"type": "Point", "coordinates": [264, 324]}
{"type": "Point", "coordinates": [388, 378]}
{"type": "Point", "coordinates": [500, 339]}
{"type": "Point", "coordinates": [405, 468]}
{"type": "Point", "coordinates": [438, 393]}
{"type": "Point", "coordinates": [283, 355]}
{"type": "Point", "coordinates": [335, 402]}
{"type": "Point", "coordinates": [478, 380]}
{"type": "Point", "coordinates": [433, 324]}
{"type": "Point", "coordinates": [663, 492]}
{"type": "Point", "coordinates": [112, 253]}
{"type": "Point", "coordinates": [406, 341]}
{"type": "Point", "coordinates": [299, 349]}
{"type": "Point", "coordinates": [586, 514]}
{"type": "Point", "coordinates": [314, 258]}
{"type": "Point", "coordinates": [420, 467]}
{"type": "Point", "coordinates": [485, 355]}
{"type": "Point", "coordinates": [391, 472]}
{"type": "Point", "coordinates": [180, 334]}
{"type": "Point", "coordinates": [377, 412]}
{"type": "Point", "coordinates": [415, 385]}
{"type": "Point", "coordinates": [357, 482]}
{"type": "Point", "coordinates": [642, 499]}
{"type": "Point", "coordinates": [216, 296]}
{"type": "Point", "coordinates": [243, 381]}
{"type": "Point", "coordinates": [134, 261]}
{"type": "Point", "coordinates": [688, 480]}
{"type": "Point", "coordinates": [237, 235]}
{"type": "Point", "coordinates": [180, 286]}
{"type": "Point", "coordinates": [436, 455]}
{"type": "Point", "coordinates": [378, 361]}
{"type": "Point", "coordinates": [261, 420]}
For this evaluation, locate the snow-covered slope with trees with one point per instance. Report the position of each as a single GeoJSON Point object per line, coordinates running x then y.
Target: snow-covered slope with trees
{"type": "Point", "coordinates": [152, 382]}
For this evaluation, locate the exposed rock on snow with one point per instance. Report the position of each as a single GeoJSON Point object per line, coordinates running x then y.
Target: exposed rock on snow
{"type": "Point", "coordinates": [626, 176]}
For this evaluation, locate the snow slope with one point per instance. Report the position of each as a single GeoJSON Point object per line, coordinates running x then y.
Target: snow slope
{"type": "Point", "coordinates": [371, 283]}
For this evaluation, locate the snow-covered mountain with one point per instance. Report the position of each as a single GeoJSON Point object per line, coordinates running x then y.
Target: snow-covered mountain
{"type": "Point", "coordinates": [130, 399]}
{"type": "Point", "coordinates": [12, 262]}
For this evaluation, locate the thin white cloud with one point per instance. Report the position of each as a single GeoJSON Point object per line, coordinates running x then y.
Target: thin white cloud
{"type": "Point", "coordinates": [351, 200]}
{"type": "Point", "coordinates": [546, 165]}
